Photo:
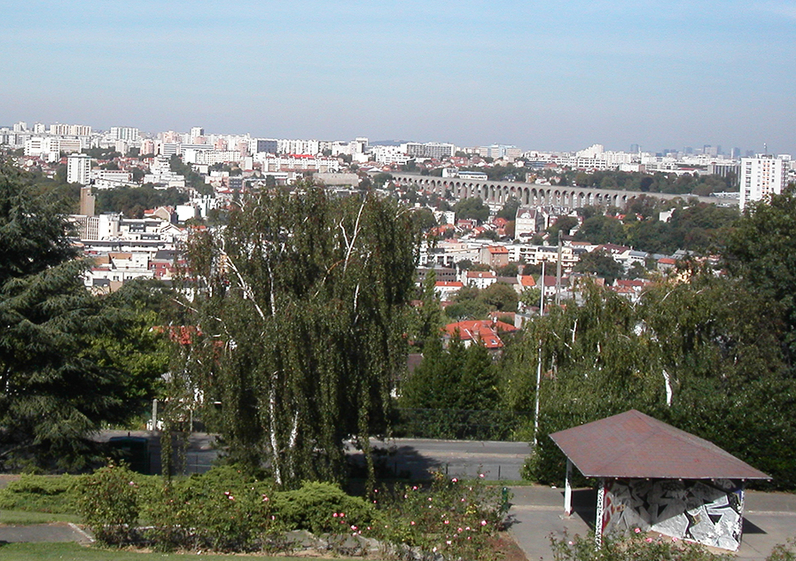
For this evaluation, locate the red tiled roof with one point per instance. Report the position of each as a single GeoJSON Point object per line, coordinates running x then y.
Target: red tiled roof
{"type": "Point", "coordinates": [634, 445]}
{"type": "Point", "coordinates": [480, 331]}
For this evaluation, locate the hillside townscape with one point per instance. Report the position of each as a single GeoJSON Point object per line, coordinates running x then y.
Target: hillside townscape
{"type": "Point", "coordinates": [302, 302]}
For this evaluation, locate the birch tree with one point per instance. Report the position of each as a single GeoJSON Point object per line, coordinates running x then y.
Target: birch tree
{"type": "Point", "coordinates": [300, 307]}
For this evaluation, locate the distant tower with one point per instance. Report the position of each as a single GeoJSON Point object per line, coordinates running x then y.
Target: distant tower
{"type": "Point", "coordinates": [86, 201]}
{"type": "Point", "coordinates": [78, 167]}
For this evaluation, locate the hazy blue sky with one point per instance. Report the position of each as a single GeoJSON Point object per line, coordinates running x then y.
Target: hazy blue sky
{"type": "Point", "coordinates": [541, 75]}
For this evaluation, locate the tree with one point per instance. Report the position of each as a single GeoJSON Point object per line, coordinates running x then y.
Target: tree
{"type": "Point", "coordinates": [301, 305]}
{"type": "Point", "coordinates": [500, 297]}
{"type": "Point", "coordinates": [459, 377]}
{"type": "Point", "coordinates": [563, 224]}
{"type": "Point", "coordinates": [472, 207]}
{"type": "Point", "coordinates": [762, 251]}
{"type": "Point", "coordinates": [58, 383]}
{"type": "Point", "coordinates": [600, 264]}
{"type": "Point", "coordinates": [428, 316]}
{"type": "Point", "coordinates": [703, 355]}
{"type": "Point", "coordinates": [509, 210]}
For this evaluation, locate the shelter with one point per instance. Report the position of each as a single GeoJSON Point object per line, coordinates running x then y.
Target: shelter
{"type": "Point", "coordinates": [653, 476]}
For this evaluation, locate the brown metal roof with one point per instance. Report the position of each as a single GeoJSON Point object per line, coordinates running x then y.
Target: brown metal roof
{"type": "Point", "coordinates": [634, 445]}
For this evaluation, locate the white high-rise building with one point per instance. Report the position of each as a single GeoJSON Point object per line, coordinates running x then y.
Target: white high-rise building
{"type": "Point", "coordinates": [130, 134]}
{"type": "Point", "coordinates": [78, 167]}
{"type": "Point", "coordinates": [762, 176]}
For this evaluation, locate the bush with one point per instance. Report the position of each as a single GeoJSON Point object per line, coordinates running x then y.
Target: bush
{"type": "Point", "coordinates": [636, 547]}
{"type": "Point", "coordinates": [225, 509]}
{"type": "Point", "coordinates": [40, 493]}
{"type": "Point", "coordinates": [452, 518]}
{"type": "Point", "coordinates": [109, 505]}
{"type": "Point", "coordinates": [322, 508]}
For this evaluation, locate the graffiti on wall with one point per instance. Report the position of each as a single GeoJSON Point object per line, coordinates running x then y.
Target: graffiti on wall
{"type": "Point", "coordinates": [709, 512]}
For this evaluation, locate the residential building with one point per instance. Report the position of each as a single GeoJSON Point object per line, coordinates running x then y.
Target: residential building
{"type": "Point", "coordinates": [78, 169]}
{"type": "Point", "coordinates": [432, 150]}
{"type": "Point", "coordinates": [762, 176]}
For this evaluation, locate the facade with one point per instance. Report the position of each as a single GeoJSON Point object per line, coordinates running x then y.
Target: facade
{"type": "Point", "coordinates": [130, 134]}
{"type": "Point", "coordinates": [761, 177]}
{"type": "Point", "coordinates": [435, 150]}
{"type": "Point", "coordinates": [78, 169]}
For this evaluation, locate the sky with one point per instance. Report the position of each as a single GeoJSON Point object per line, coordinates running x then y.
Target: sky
{"type": "Point", "coordinates": [538, 75]}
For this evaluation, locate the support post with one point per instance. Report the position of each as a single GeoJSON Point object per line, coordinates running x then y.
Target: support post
{"type": "Point", "coordinates": [568, 490]}
{"type": "Point", "coordinates": [154, 415]}
{"type": "Point", "coordinates": [598, 518]}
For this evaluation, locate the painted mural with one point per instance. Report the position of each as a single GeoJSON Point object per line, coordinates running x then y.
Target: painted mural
{"type": "Point", "coordinates": [709, 512]}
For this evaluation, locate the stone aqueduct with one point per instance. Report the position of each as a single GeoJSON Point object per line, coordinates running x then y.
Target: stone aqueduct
{"type": "Point", "coordinates": [529, 194]}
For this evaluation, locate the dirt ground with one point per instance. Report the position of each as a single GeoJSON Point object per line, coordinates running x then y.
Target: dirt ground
{"type": "Point", "coordinates": [508, 550]}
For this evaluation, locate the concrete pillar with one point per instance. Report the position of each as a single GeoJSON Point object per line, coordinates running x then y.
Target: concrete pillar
{"type": "Point", "coordinates": [568, 490]}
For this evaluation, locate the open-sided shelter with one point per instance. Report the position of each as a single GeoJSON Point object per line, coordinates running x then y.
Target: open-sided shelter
{"type": "Point", "coordinates": [653, 476]}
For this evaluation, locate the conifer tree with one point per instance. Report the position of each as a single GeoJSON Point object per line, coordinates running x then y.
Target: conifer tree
{"type": "Point", "coordinates": [56, 385]}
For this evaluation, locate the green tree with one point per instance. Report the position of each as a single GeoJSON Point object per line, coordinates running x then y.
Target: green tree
{"type": "Point", "coordinates": [702, 355]}
{"type": "Point", "coordinates": [472, 207]}
{"type": "Point", "coordinates": [509, 210]}
{"type": "Point", "coordinates": [762, 251]}
{"type": "Point", "coordinates": [563, 224]}
{"type": "Point", "coordinates": [57, 384]}
{"type": "Point", "coordinates": [500, 297]}
{"type": "Point", "coordinates": [301, 307]}
{"type": "Point", "coordinates": [428, 316]}
{"type": "Point", "coordinates": [600, 264]}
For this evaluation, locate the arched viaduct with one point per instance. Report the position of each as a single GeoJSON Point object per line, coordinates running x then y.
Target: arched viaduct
{"type": "Point", "coordinates": [529, 194]}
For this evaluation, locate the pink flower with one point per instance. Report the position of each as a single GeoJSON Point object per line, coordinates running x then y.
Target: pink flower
{"type": "Point", "coordinates": [637, 530]}
{"type": "Point", "coordinates": [649, 540]}
{"type": "Point", "coordinates": [483, 522]}
{"type": "Point", "coordinates": [481, 475]}
{"type": "Point", "coordinates": [459, 530]}
{"type": "Point", "coordinates": [334, 515]}
{"type": "Point", "coordinates": [448, 542]}
{"type": "Point", "coordinates": [454, 480]}
{"type": "Point", "coordinates": [353, 527]}
{"type": "Point", "coordinates": [674, 539]}
{"type": "Point", "coordinates": [412, 523]}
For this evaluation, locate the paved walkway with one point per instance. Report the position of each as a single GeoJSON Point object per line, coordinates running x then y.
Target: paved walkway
{"type": "Point", "coordinates": [57, 532]}
{"type": "Point", "coordinates": [769, 519]}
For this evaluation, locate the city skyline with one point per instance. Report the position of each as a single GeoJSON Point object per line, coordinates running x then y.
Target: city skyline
{"type": "Point", "coordinates": [529, 74]}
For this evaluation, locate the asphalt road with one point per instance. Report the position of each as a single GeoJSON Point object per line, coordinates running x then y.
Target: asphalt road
{"type": "Point", "coordinates": [408, 457]}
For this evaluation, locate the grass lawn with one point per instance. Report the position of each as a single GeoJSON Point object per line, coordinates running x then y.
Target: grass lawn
{"type": "Point", "coordinates": [25, 517]}
{"type": "Point", "coordinates": [74, 552]}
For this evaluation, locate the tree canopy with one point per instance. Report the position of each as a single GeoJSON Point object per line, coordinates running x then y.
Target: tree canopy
{"type": "Point", "coordinates": [703, 355]}
{"type": "Point", "coordinates": [301, 319]}
{"type": "Point", "coordinates": [58, 381]}
{"type": "Point", "coordinates": [472, 207]}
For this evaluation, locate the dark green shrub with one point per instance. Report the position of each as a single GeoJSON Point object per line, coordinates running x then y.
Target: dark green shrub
{"type": "Point", "coordinates": [321, 508]}
{"type": "Point", "coordinates": [40, 493]}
